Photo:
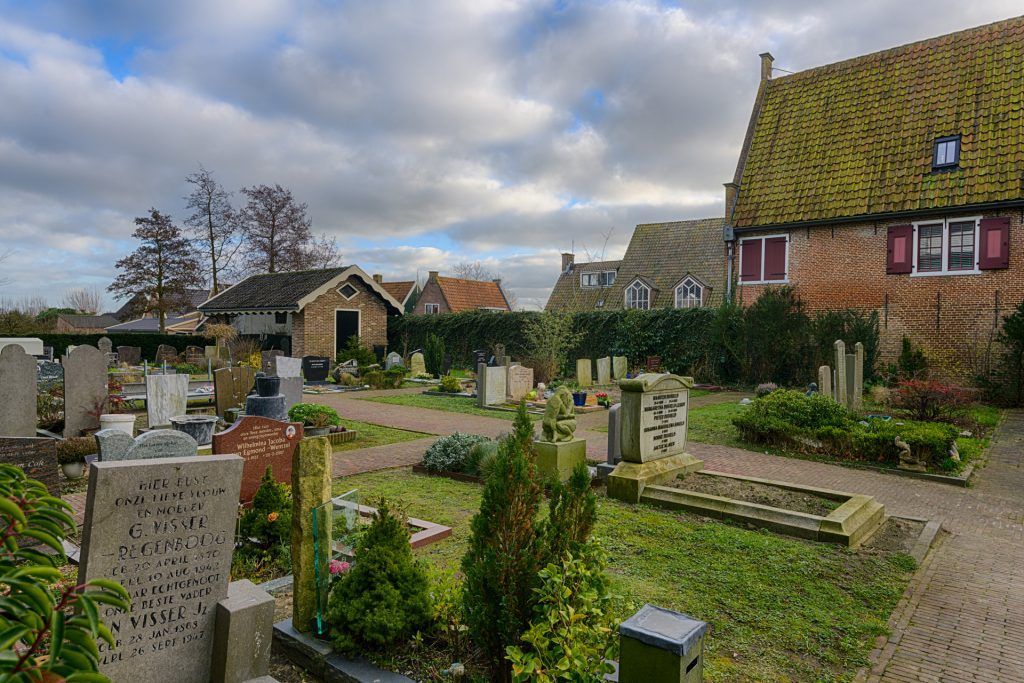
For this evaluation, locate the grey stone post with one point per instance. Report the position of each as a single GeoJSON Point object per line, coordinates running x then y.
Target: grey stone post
{"type": "Point", "coordinates": [825, 381]}
{"type": "Point", "coordinates": [842, 397]}
{"type": "Point", "coordinates": [858, 376]}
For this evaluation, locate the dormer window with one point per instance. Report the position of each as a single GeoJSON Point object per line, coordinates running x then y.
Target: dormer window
{"type": "Point", "coordinates": [947, 153]}
{"type": "Point", "coordinates": [638, 296]}
{"type": "Point", "coordinates": [597, 278]}
{"type": "Point", "coordinates": [689, 294]}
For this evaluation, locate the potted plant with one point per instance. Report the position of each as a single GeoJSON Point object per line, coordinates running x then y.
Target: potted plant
{"type": "Point", "coordinates": [602, 399]}
{"type": "Point", "coordinates": [71, 455]}
{"type": "Point", "coordinates": [317, 420]}
{"type": "Point", "coordinates": [579, 397]}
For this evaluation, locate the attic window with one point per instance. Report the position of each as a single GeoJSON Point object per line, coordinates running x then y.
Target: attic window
{"type": "Point", "coordinates": [348, 291]}
{"type": "Point", "coordinates": [947, 152]}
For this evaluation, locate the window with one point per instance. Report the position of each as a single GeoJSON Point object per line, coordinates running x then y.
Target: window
{"type": "Point", "coordinates": [764, 259]}
{"type": "Point", "coordinates": [638, 295]}
{"type": "Point", "coordinates": [947, 152]}
{"type": "Point", "coordinates": [689, 294]}
{"type": "Point", "coordinates": [431, 308]}
{"type": "Point", "coordinates": [946, 247]}
{"type": "Point", "coordinates": [281, 318]}
{"type": "Point", "coordinates": [597, 279]}
{"type": "Point", "coordinates": [348, 291]}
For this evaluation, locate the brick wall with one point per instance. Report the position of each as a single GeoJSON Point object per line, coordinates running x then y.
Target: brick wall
{"type": "Point", "coordinates": [431, 295]}
{"type": "Point", "coordinates": [952, 317]}
{"type": "Point", "coordinates": [313, 328]}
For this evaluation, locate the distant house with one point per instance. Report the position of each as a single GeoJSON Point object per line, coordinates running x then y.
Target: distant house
{"type": "Point", "coordinates": [406, 292]}
{"type": "Point", "coordinates": [173, 324]}
{"type": "Point", "coordinates": [891, 183]}
{"type": "Point", "coordinates": [314, 311]}
{"type": "Point", "coordinates": [680, 264]}
{"type": "Point", "coordinates": [455, 295]}
{"type": "Point", "coordinates": [72, 323]}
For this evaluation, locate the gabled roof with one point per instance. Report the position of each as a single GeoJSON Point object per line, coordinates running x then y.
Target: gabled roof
{"type": "Point", "coordinates": [569, 295]}
{"type": "Point", "coordinates": [173, 323]}
{"type": "Point", "coordinates": [470, 295]}
{"type": "Point", "coordinates": [287, 292]}
{"type": "Point", "coordinates": [88, 321]}
{"type": "Point", "coordinates": [399, 290]}
{"type": "Point", "coordinates": [856, 138]}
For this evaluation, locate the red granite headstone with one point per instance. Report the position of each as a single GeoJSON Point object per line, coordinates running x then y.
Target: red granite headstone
{"type": "Point", "coordinates": [36, 456]}
{"type": "Point", "coordinates": [261, 442]}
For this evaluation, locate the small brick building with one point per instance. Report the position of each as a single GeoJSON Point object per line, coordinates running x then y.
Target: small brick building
{"type": "Point", "coordinates": [455, 295]}
{"type": "Point", "coordinates": [892, 183]}
{"type": "Point", "coordinates": [317, 311]}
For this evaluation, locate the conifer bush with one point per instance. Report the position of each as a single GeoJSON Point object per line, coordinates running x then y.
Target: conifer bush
{"type": "Point", "coordinates": [267, 524]}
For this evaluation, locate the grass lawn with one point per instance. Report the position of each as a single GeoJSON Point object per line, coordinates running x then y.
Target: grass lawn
{"type": "Point", "coordinates": [779, 608]}
{"type": "Point", "coordinates": [374, 435]}
{"type": "Point", "coordinates": [451, 404]}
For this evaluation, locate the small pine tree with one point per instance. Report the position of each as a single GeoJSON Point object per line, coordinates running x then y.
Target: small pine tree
{"type": "Point", "coordinates": [433, 354]}
{"type": "Point", "coordinates": [268, 523]}
{"type": "Point", "coordinates": [572, 513]}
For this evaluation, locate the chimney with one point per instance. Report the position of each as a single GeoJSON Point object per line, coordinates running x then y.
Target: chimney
{"type": "Point", "coordinates": [378, 278]}
{"type": "Point", "coordinates": [567, 261]}
{"type": "Point", "coordinates": [432, 276]}
{"type": "Point", "coordinates": [730, 197]}
{"type": "Point", "coordinates": [766, 65]}
{"type": "Point", "coordinates": [497, 281]}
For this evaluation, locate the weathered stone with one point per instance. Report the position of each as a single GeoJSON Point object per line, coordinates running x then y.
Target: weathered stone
{"type": "Point", "coordinates": [584, 378]}
{"type": "Point", "coordinates": [199, 427]}
{"type": "Point", "coordinates": [105, 345]}
{"type": "Point", "coordinates": [85, 389]}
{"type": "Point", "coordinates": [166, 354]}
{"type": "Point", "coordinates": [604, 371]}
{"type": "Point", "coordinates": [115, 445]}
{"type": "Point", "coordinates": [129, 355]}
{"type": "Point", "coordinates": [33, 346]}
{"type": "Point", "coordinates": [265, 403]}
{"type": "Point", "coordinates": [858, 376]}
{"type": "Point", "coordinates": [268, 360]}
{"type": "Point", "coordinates": [231, 386]}
{"type": "Point", "coordinates": [417, 364]}
{"type": "Point", "coordinates": [166, 397]}
{"type": "Point", "coordinates": [615, 434]}
{"type": "Point", "coordinates": [520, 382]}
{"type": "Point", "coordinates": [842, 396]}
{"type": "Point", "coordinates": [18, 383]}
{"type": "Point", "coordinates": [657, 644]}
{"type": "Point", "coordinates": [286, 366]}
{"type": "Point", "coordinates": [620, 367]}
{"type": "Point", "coordinates": [825, 381]}
{"type": "Point", "coordinates": [37, 457]}
{"type": "Point", "coordinates": [628, 480]}
{"type": "Point", "coordinates": [243, 634]}
{"type": "Point", "coordinates": [490, 385]}
{"type": "Point", "coordinates": [559, 421]}
{"type": "Point", "coordinates": [311, 487]}
{"type": "Point", "coordinates": [557, 460]}
{"type": "Point", "coordinates": [291, 389]}
{"type": "Point", "coordinates": [261, 443]}
{"type": "Point", "coordinates": [194, 355]}
{"type": "Point", "coordinates": [392, 359]}
{"type": "Point", "coordinates": [176, 573]}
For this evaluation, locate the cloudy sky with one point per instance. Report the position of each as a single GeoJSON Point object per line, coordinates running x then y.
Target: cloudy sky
{"type": "Point", "coordinates": [420, 133]}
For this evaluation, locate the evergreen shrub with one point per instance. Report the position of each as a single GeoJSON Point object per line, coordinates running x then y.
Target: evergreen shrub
{"type": "Point", "coordinates": [450, 452]}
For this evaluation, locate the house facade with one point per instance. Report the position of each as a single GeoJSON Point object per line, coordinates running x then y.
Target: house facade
{"type": "Point", "coordinates": [312, 312]}
{"type": "Point", "coordinates": [74, 323]}
{"type": "Point", "coordinates": [456, 295]}
{"type": "Point", "coordinates": [679, 264]}
{"type": "Point", "coordinates": [891, 183]}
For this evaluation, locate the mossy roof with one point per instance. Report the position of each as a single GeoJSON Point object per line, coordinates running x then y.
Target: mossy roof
{"type": "Point", "coordinates": [856, 138]}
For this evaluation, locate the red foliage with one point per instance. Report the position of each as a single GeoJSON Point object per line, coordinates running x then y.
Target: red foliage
{"type": "Point", "coordinates": [930, 399]}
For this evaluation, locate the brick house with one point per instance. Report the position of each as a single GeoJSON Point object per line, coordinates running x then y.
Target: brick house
{"type": "Point", "coordinates": [405, 292]}
{"type": "Point", "coordinates": [73, 323]}
{"type": "Point", "coordinates": [313, 312]}
{"type": "Point", "coordinates": [679, 264]}
{"type": "Point", "coordinates": [455, 295]}
{"type": "Point", "coordinates": [891, 182]}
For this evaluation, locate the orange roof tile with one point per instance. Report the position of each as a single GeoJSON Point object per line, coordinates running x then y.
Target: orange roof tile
{"type": "Point", "coordinates": [469, 295]}
{"type": "Point", "coordinates": [399, 290]}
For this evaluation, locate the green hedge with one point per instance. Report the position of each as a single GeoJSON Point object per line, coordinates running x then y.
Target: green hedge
{"type": "Point", "coordinates": [148, 342]}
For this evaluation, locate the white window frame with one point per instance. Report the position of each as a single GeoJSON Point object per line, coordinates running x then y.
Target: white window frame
{"type": "Point", "coordinates": [688, 281]}
{"type": "Point", "coordinates": [609, 278]}
{"type": "Point", "coordinates": [348, 284]}
{"type": "Point", "coordinates": [761, 280]}
{"type": "Point", "coordinates": [608, 275]}
{"type": "Point", "coordinates": [431, 309]}
{"type": "Point", "coordinates": [945, 247]}
{"type": "Point", "coordinates": [636, 284]}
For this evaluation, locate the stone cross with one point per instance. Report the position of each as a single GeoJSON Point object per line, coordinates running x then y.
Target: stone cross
{"type": "Point", "coordinates": [18, 380]}
{"type": "Point", "coordinates": [311, 488]}
{"type": "Point", "coordinates": [166, 397]}
{"type": "Point", "coordinates": [584, 378]}
{"type": "Point", "coordinates": [85, 389]}
{"type": "Point", "coordinates": [842, 397]}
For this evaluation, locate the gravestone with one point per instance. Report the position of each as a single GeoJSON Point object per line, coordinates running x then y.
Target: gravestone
{"type": "Point", "coordinates": [479, 357]}
{"type": "Point", "coordinates": [614, 442]}
{"type": "Point", "coordinates": [291, 389]}
{"type": "Point", "coordinates": [520, 382]}
{"type": "Point", "coordinates": [130, 355]}
{"type": "Point", "coordinates": [85, 389]}
{"type": "Point", "coordinates": [392, 359]}
{"type": "Point", "coordinates": [18, 375]}
{"type": "Point", "coordinates": [37, 457]}
{"type": "Point", "coordinates": [842, 396]}
{"type": "Point", "coordinates": [286, 366]}
{"type": "Point", "coordinates": [231, 386]}
{"type": "Point", "coordinates": [210, 352]}
{"type": "Point", "coordinates": [653, 364]}
{"type": "Point", "coordinates": [350, 366]}
{"type": "Point", "coordinates": [105, 345]}
{"type": "Point", "coordinates": [47, 353]}
{"type": "Point", "coordinates": [261, 443]}
{"type": "Point", "coordinates": [825, 381]}
{"type": "Point", "coordinates": [115, 445]}
{"type": "Point", "coordinates": [311, 487]}
{"type": "Point", "coordinates": [653, 437]}
{"type": "Point", "coordinates": [49, 372]}
{"type": "Point", "coordinates": [490, 385]}
{"type": "Point", "coordinates": [195, 355]}
{"type": "Point", "coordinates": [417, 365]}
{"type": "Point", "coordinates": [446, 364]}
{"type": "Point", "coordinates": [166, 530]}
{"type": "Point", "coordinates": [620, 367]}
{"type": "Point", "coordinates": [316, 368]}
{"type": "Point", "coordinates": [166, 353]}
{"type": "Point", "coordinates": [858, 376]}
{"type": "Point", "coordinates": [166, 397]}
{"type": "Point", "coordinates": [584, 378]}
{"type": "Point", "coordinates": [604, 371]}
{"type": "Point", "coordinates": [268, 360]}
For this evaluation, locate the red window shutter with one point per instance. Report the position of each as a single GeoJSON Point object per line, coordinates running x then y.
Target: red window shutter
{"type": "Point", "coordinates": [900, 249]}
{"type": "Point", "coordinates": [750, 260]}
{"type": "Point", "coordinates": [775, 258]}
{"type": "Point", "coordinates": [994, 250]}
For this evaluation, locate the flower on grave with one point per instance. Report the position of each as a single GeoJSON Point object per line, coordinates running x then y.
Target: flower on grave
{"type": "Point", "coordinates": [339, 567]}
{"type": "Point", "coordinates": [272, 517]}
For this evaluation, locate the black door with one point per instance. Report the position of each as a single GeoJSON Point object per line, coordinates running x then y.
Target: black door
{"type": "Point", "coordinates": [346, 324]}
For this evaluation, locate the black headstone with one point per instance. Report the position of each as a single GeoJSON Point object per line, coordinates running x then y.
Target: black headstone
{"type": "Point", "coordinates": [446, 366]}
{"type": "Point", "coordinates": [37, 457]}
{"type": "Point", "coordinates": [316, 368]}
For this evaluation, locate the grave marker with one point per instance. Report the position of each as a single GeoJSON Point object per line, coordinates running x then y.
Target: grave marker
{"type": "Point", "coordinates": [620, 367]}
{"type": "Point", "coordinates": [291, 388]}
{"type": "Point", "coordinates": [311, 488]}
{"type": "Point", "coordinates": [231, 386]}
{"type": "Point", "coordinates": [604, 371]}
{"type": "Point", "coordinates": [392, 359]}
{"type": "Point", "coordinates": [85, 389]}
{"type": "Point", "coordinates": [316, 368]}
{"type": "Point", "coordinates": [417, 364]}
{"type": "Point", "coordinates": [130, 355]}
{"type": "Point", "coordinates": [36, 456]}
{"type": "Point", "coordinates": [584, 378]}
{"type": "Point", "coordinates": [842, 397]}
{"type": "Point", "coordinates": [490, 385]}
{"type": "Point", "coordinates": [286, 366]}
{"type": "Point", "coordinates": [520, 382]}
{"type": "Point", "coordinates": [166, 353]}
{"type": "Point", "coordinates": [116, 445]}
{"type": "Point", "coordinates": [166, 397]}
{"type": "Point", "coordinates": [260, 442]}
{"type": "Point", "coordinates": [105, 345]}
{"type": "Point", "coordinates": [18, 374]}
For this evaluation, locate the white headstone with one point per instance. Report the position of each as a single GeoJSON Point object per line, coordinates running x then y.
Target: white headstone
{"type": "Point", "coordinates": [490, 385]}
{"type": "Point", "coordinates": [288, 366]}
{"type": "Point", "coordinates": [166, 397]}
{"type": "Point", "coordinates": [392, 359]}
{"type": "Point", "coordinates": [520, 382]}
{"type": "Point", "coordinates": [604, 371]}
{"type": "Point", "coordinates": [620, 367]}
{"type": "Point", "coordinates": [654, 412]}
{"type": "Point", "coordinates": [584, 376]}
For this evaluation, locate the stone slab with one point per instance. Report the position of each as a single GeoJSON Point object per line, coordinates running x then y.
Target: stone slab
{"type": "Point", "coordinates": [417, 364]}
{"type": "Point", "coordinates": [85, 389]}
{"type": "Point", "coordinates": [316, 368]}
{"type": "Point", "coordinates": [37, 457]}
{"type": "Point", "coordinates": [584, 376]}
{"type": "Point", "coordinates": [33, 346]}
{"type": "Point", "coordinates": [231, 386]}
{"type": "Point", "coordinates": [165, 529]}
{"type": "Point", "coordinates": [520, 382]}
{"type": "Point", "coordinates": [604, 371]}
{"type": "Point", "coordinates": [490, 385]}
{"type": "Point", "coordinates": [116, 445]}
{"type": "Point", "coordinates": [614, 434]}
{"type": "Point", "coordinates": [629, 479]}
{"type": "Point", "coordinates": [317, 657]}
{"type": "Point", "coordinates": [18, 382]}
{"type": "Point", "coordinates": [166, 397]}
{"type": "Point", "coordinates": [286, 366]}
{"type": "Point", "coordinates": [129, 355]}
{"type": "Point", "coordinates": [261, 443]}
{"type": "Point", "coordinates": [244, 631]}
{"type": "Point", "coordinates": [291, 389]}
{"type": "Point", "coordinates": [557, 460]}
{"type": "Point", "coordinates": [654, 416]}
{"type": "Point", "coordinates": [620, 367]}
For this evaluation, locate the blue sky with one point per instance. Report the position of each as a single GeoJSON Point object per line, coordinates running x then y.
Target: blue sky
{"type": "Point", "coordinates": [420, 134]}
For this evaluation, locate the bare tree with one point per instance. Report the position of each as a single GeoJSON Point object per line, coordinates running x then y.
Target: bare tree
{"type": "Point", "coordinates": [213, 224]}
{"type": "Point", "coordinates": [83, 299]}
{"type": "Point", "coordinates": [161, 269]}
{"type": "Point", "coordinates": [473, 270]}
{"type": "Point", "coordinates": [277, 233]}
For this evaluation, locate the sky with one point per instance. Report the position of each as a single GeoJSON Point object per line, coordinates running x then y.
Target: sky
{"type": "Point", "coordinates": [419, 133]}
